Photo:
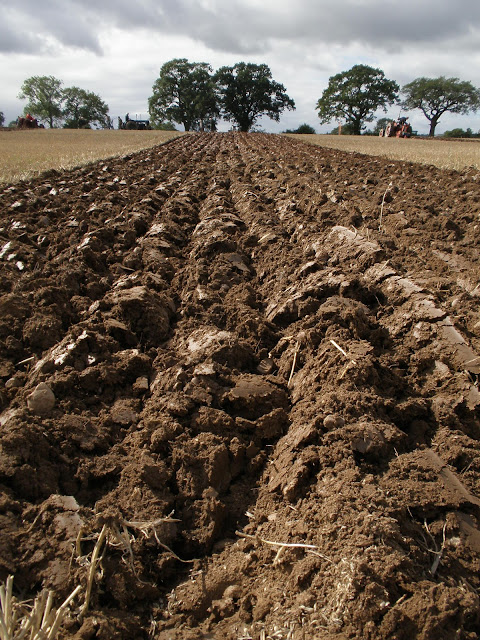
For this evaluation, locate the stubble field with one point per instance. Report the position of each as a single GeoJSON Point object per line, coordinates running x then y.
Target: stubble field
{"type": "Point", "coordinates": [25, 154]}
{"type": "Point", "coordinates": [456, 154]}
{"type": "Point", "coordinates": [239, 393]}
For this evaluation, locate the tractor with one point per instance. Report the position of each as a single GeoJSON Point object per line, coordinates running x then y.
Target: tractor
{"type": "Point", "coordinates": [128, 123]}
{"type": "Point", "coordinates": [397, 129]}
{"type": "Point", "coordinates": [28, 122]}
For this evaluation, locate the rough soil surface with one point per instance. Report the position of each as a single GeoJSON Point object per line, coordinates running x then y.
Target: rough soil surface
{"type": "Point", "coordinates": [253, 365]}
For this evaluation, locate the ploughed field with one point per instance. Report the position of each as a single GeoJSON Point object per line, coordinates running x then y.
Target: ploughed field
{"type": "Point", "coordinates": [239, 393]}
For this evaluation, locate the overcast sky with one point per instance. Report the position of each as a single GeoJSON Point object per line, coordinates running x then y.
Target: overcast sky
{"type": "Point", "coordinates": [116, 47]}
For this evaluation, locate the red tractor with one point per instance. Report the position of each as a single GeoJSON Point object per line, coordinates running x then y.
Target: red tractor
{"type": "Point", "coordinates": [397, 129]}
{"type": "Point", "coordinates": [28, 122]}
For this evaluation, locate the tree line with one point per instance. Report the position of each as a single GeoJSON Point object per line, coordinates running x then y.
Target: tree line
{"type": "Point", "coordinates": [185, 93]}
{"type": "Point", "coordinates": [355, 95]}
{"type": "Point", "coordinates": [191, 94]}
{"type": "Point", "coordinates": [71, 107]}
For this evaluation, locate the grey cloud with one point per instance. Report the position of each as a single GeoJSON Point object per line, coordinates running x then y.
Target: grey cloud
{"type": "Point", "coordinates": [238, 26]}
{"type": "Point", "coordinates": [14, 37]}
{"type": "Point", "coordinates": [403, 24]}
{"type": "Point", "coordinates": [70, 28]}
{"type": "Point", "coordinates": [374, 23]}
{"type": "Point", "coordinates": [28, 27]}
{"type": "Point", "coordinates": [12, 41]}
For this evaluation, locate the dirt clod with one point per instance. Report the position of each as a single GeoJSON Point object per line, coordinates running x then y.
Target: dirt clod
{"type": "Point", "coordinates": [42, 400]}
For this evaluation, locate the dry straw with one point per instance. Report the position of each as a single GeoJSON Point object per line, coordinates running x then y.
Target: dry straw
{"type": "Point", "coordinates": [37, 621]}
{"type": "Point", "coordinates": [118, 535]}
{"type": "Point", "coordinates": [40, 620]}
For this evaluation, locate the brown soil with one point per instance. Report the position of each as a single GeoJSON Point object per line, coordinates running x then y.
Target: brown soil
{"type": "Point", "coordinates": [230, 343]}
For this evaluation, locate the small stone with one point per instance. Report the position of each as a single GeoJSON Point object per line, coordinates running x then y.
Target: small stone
{"type": "Point", "coordinates": [333, 422]}
{"type": "Point", "coordinates": [15, 382]}
{"type": "Point", "coordinates": [442, 370]}
{"type": "Point", "coordinates": [123, 414]}
{"type": "Point", "coordinates": [233, 591]}
{"type": "Point", "coordinates": [141, 386]}
{"type": "Point", "coordinates": [41, 400]}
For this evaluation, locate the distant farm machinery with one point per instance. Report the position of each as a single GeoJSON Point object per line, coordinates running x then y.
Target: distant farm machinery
{"type": "Point", "coordinates": [397, 129]}
{"type": "Point", "coordinates": [28, 122]}
{"type": "Point", "coordinates": [134, 125]}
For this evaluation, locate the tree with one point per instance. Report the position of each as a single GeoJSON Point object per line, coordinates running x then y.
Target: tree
{"type": "Point", "coordinates": [303, 128]}
{"type": "Point", "coordinates": [460, 133]}
{"type": "Point", "coordinates": [165, 126]}
{"type": "Point", "coordinates": [345, 130]}
{"type": "Point", "coordinates": [246, 91]}
{"type": "Point", "coordinates": [82, 109]}
{"type": "Point", "coordinates": [44, 95]}
{"type": "Point", "coordinates": [435, 96]}
{"type": "Point", "coordinates": [355, 95]}
{"type": "Point", "coordinates": [2, 118]}
{"type": "Point", "coordinates": [184, 93]}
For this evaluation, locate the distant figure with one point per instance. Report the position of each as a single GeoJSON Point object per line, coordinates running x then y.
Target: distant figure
{"type": "Point", "coordinates": [127, 118]}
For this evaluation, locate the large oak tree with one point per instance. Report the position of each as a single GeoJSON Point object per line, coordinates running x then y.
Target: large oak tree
{"type": "Point", "coordinates": [355, 95]}
{"type": "Point", "coordinates": [44, 95]}
{"type": "Point", "coordinates": [82, 109]}
{"type": "Point", "coordinates": [436, 96]}
{"type": "Point", "coordinates": [247, 91]}
{"type": "Point", "coordinates": [185, 93]}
